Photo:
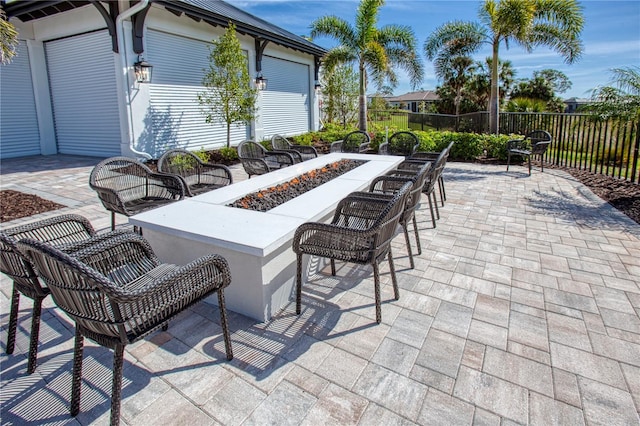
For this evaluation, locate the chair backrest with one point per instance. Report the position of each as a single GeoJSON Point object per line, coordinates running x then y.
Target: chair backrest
{"type": "Point", "coordinates": [388, 221]}
{"type": "Point", "coordinates": [402, 143]}
{"type": "Point", "coordinates": [124, 175]}
{"type": "Point", "coordinates": [251, 150]}
{"type": "Point", "coordinates": [179, 162]}
{"type": "Point", "coordinates": [85, 294]}
{"type": "Point", "coordinates": [280, 142]}
{"type": "Point", "coordinates": [538, 136]}
{"type": "Point", "coordinates": [395, 179]}
{"type": "Point", "coordinates": [354, 140]}
{"type": "Point", "coordinates": [57, 230]}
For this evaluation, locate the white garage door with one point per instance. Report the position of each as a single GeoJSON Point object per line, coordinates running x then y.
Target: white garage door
{"type": "Point", "coordinates": [285, 103]}
{"type": "Point", "coordinates": [176, 117]}
{"type": "Point", "coordinates": [19, 134]}
{"type": "Point", "coordinates": [84, 95]}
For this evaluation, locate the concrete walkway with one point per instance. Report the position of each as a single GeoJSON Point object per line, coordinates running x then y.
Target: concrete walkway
{"type": "Point", "coordinates": [524, 308]}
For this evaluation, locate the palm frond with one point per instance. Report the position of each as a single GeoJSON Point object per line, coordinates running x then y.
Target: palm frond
{"type": "Point", "coordinates": [455, 38]}
{"type": "Point", "coordinates": [334, 27]}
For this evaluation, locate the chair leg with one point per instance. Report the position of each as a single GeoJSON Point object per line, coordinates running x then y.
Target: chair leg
{"type": "Point", "coordinates": [508, 159]}
{"type": "Point", "coordinates": [394, 280]}
{"type": "Point", "coordinates": [529, 165]}
{"type": "Point", "coordinates": [406, 238]}
{"type": "Point", "coordinates": [13, 321]}
{"type": "Point", "coordinates": [444, 192]}
{"type": "Point", "coordinates": [35, 333]}
{"type": "Point", "coordinates": [415, 231]}
{"type": "Point", "coordinates": [116, 387]}
{"type": "Point", "coordinates": [433, 216]}
{"type": "Point", "coordinates": [441, 190]}
{"type": "Point", "coordinates": [299, 283]}
{"type": "Point", "coordinates": [541, 163]}
{"type": "Point", "coordinates": [76, 380]}
{"type": "Point", "coordinates": [333, 268]}
{"type": "Point", "coordinates": [435, 203]}
{"type": "Point", "coordinates": [376, 289]}
{"type": "Point", "coordinates": [113, 221]}
{"type": "Point", "coordinates": [224, 325]}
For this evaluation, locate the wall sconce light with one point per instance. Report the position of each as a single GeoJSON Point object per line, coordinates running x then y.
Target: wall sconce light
{"type": "Point", "coordinates": [143, 70]}
{"type": "Point", "coordinates": [261, 82]}
{"type": "Point", "coordinates": [317, 86]}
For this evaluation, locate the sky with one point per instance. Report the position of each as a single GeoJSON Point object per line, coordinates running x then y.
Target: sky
{"type": "Point", "coordinates": [611, 35]}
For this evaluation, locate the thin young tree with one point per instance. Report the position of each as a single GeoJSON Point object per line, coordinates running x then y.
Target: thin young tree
{"type": "Point", "coordinates": [229, 97]}
{"type": "Point", "coordinates": [530, 23]}
{"type": "Point", "coordinates": [375, 51]}
{"type": "Point", "coordinates": [621, 99]}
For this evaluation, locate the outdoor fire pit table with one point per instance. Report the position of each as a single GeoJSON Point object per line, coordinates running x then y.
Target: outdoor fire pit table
{"type": "Point", "coordinates": [256, 244]}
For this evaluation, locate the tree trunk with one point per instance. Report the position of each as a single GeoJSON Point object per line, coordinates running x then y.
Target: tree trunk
{"type": "Point", "coordinates": [228, 135]}
{"type": "Point", "coordinates": [494, 99]}
{"type": "Point", "coordinates": [362, 119]}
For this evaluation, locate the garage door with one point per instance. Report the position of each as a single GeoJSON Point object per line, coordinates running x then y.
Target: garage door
{"type": "Point", "coordinates": [83, 93]}
{"type": "Point", "coordinates": [178, 121]}
{"type": "Point", "coordinates": [285, 103]}
{"type": "Point", "coordinates": [19, 134]}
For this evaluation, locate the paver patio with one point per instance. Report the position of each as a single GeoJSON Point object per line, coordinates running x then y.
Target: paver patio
{"type": "Point", "coordinates": [524, 308]}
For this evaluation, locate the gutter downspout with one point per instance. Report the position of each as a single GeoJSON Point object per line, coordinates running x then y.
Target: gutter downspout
{"type": "Point", "coordinates": [123, 64]}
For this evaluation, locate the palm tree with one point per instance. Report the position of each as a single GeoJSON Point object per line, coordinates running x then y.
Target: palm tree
{"type": "Point", "coordinates": [376, 51]}
{"type": "Point", "coordinates": [621, 100]}
{"type": "Point", "coordinates": [455, 71]}
{"type": "Point", "coordinates": [530, 23]}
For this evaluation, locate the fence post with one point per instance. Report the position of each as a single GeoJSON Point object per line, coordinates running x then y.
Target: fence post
{"type": "Point", "coordinates": [635, 154]}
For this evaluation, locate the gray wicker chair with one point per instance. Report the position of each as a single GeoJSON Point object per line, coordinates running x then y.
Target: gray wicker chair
{"type": "Point", "coordinates": [60, 230]}
{"type": "Point", "coordinates": [357, 142]}
{"type": "Point", "coordinates": [128, 187]}
{"type": "Point", "coordinates": [386, 186]}
{"type": "Point", "coordinates": [197, 176]}
{"type": "Point", "coordinates": [400, 143]}
{"type": "Point", "coordinates": [535, 144]}
{"type": "Point", "coordinates": [117, 292]}
{"type": "Point", "coordinates": [432, 157]}
{"type": "Point", "coordinates": [433, 176]}
{"type": "Point", "coordinates": [360, 232]}
{"type": "Point", "coordinates": [280, 143]}
{"type": "Point", "coordinates": [256, 160]}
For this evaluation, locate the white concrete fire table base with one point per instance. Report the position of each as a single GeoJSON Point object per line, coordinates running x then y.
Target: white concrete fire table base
{"type": "Point", "coordinates": [257, 245]}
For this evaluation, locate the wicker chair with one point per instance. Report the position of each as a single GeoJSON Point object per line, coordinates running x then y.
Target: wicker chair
{"type": "Point", "coordinates": [357, 142]}
{"type": "Point", "coordinates": [433, 176]}
{"type": "Point", "coordinates": [400, 143]}
{"type": "Point", "coordinates": [432, 157]}
{"type": "Point", "coordinates": [535, 144]}
{"type": "Point", "coordinates": [128, 187]}
{"type": "Point", "coordinates": [256, 160]}
{"type": "Point", "coordinates": [386, 186]}
{"type": "Point", "coordinates": [280, 143]}
{"type": "Point", "coordinates": [360, 232]}
{"type": "Point", "coordinates": [197, 176]}
{"type": "Point", "coordinates": [58, 230]}
{"type": "Point", "coordinates": [118, 292]}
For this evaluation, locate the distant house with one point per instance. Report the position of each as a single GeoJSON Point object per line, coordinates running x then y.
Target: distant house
{"type": "Point", "coordinates": [72, 89]}
{"type": "Point", "coordinates": [411, 101]}
{"type": "Point", "coordinates": [572, 104]}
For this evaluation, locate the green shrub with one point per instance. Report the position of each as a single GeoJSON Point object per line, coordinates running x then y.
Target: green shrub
{"type": "Point", "coordinates": [229, 154]}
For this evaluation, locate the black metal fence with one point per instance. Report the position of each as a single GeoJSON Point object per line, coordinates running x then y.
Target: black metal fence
{"type": "Point", "coordinates": [608, 147]}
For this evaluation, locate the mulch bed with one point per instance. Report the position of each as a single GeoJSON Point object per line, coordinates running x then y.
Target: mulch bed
{"type": "Point", "coordinates": [15, 204]}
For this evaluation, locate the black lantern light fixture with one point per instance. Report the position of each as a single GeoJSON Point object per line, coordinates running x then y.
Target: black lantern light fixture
{"type": "Point", "coordinates": [261, 82]}
{"type": "Point", "coordinates": [143, 70]}
{"type": "Point", "coordinates": [317, 86]}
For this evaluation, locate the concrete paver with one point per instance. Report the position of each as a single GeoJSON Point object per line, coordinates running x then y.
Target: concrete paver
{"type": "Point", "coordinates": [524, 308]}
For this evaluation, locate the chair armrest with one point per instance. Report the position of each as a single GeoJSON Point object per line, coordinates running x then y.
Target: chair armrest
{"type": "Point", "coordinates": [297, 158]}
{"type": "Point", "coordinates": [171, 183]}
{"type": "Point", "coordinates": [383, 149]}
{"type": "Point", "coordinates": [364, 147]}
{"type": "Point", "coordinates": [281, 157]}
{"type": "Point", "coordinates": [305, 149]}
{"type": "Point", "coordinates": [217, 170]}
{"type": "Point", "coordinates": [390, 183]}
{"type": "Point", "coordinates": [336, 146]}
{"type": "Point", "coordinates": [425, 156]}
{"type": "Point", "coordinates": [520, 144]}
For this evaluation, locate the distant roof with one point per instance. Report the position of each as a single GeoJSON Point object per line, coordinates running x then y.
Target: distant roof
{"type": "Point", "coordinates": [577, 100]}
{"type": "Point", "coordinates": [424, 95]}
{"type": "Point", "coordinates": [214, 12]}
